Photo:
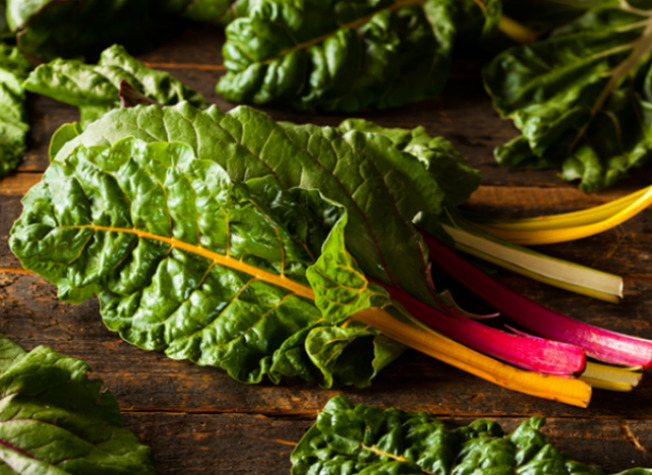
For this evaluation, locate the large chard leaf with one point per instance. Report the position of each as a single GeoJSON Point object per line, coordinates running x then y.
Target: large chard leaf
{"type": "Point", "coordinates": [583, 97]}
{"type": "Point", "coordinates": [358, 439]}
{"type": "Point", "coordinates": [49, 29]}
{"type": "Point", "coordinates": [187, 263]}
{"type": "Point", "coordinates": [96, 89]}
{"type": "Point", "coordinates": [57, 421]}
{"type": "Point", "coordinates": [337, 55]}
{"type": "Point", "coordinates": [381, 187]}
{"type": "Point", "coordinates": [13, 113]}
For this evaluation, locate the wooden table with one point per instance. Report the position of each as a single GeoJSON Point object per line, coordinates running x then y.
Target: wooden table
{"type": "Point", "coordinates": [199, 421]}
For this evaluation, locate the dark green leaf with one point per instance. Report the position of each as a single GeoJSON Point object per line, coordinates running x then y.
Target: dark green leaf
{"type": "Point", "coordinates": [13, 114]}
{"type": "Point", "coordinates": [49, 29]}
{"type": "Point", "coordinates": [187, 263]}
{"type": "Point", "coordinates": [95, 89]}
{"type": "Point", "coordinates": [352, 439]}
{"type": "Point", "coordinates": [363, 172]}
{"type": "Point", "coordinates": [4, 28]}
{"type": "Point", "coordinates": [581, 97]}
{"type": "Point", "coordinates": [346, 56]}
{"type": "Point", "coordinates": [209, 11]}
{"type": "Point", "coordinates": [56, 421]}
{"type": "Point", "coordinates": [454, 175]}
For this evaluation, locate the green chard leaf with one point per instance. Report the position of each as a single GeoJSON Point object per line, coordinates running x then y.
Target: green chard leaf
{"type": "Point", "coordinates": [345, 56]}
{"type": "Point", "coordinates": [117, 77]}
{"type": "Point", "coordinates": [188, 263]}
{"type": "Point", "coordinates": [57, 421]}
{"type": "Point", "coordinates": [582, 97]}
{"type": "Point", "coordinates": [358, 439]}
{"type": "Point", "coordinates": [13, 112]}
{"type": "Point", "coordinates": [363, 172]}
{"type": "Point", "coordinates": [50, 29]}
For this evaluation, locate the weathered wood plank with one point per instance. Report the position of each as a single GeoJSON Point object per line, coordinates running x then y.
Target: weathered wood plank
{"type": "Point", "coordinates": [148, 381]}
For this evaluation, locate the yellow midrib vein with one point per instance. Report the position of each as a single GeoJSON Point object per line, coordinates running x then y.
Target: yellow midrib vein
{"type": "Point", "coordinates": [219, 259]}
{"type": "Point", "coordinates": [354, 24]}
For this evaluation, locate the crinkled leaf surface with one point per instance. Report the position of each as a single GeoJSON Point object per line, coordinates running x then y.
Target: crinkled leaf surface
{"type": "Point", "coordinates": [582, 98]}
{"type": "Point", "coordinates": [352, 439]}
{"type": "Point", "coordinates": [452, 171]}
{"type": "Point", "coordinates": [381, 187]}
{"type": "Point", "coordinates": [185, 262]}
{"type": "Point", "coordinates": [95, 89]}
{"type": "Point", "coordinates": [56, 421]}
{"type": "Point", "coordinates": [13, 114]}
{"type": "Point", "coordinates": [340, 55]}
{"type": "Point", "coordinates": [49, 29]}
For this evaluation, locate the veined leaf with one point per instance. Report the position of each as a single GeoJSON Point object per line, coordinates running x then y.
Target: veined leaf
{"type": "Point", "coordinates": [186, 263]}
{"type": "Point", "coordinates": [95, 89]}
{"type": "Point", "coordinates": [13, 114]}
{"type": "Point", "coordinates": [348, 438]}
{"type": "Point", "coordinates": [49, 29]}
{"type": "Point", "coordinates": [57, 421]}
{"type": "Point", "coordinates": [346, 56]}
{"type": "Point", "coordinates": [456, 177]}
{"type": "Point", "coordinates": [583, 97]}
{"type": "Point", "coordinates": [349, 168]}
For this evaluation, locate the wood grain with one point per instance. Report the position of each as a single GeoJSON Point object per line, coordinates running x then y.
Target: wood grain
{"type": "Point", "coordinates": [199, 421]}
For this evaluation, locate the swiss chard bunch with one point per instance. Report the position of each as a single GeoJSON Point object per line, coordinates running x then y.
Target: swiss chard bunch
{"type": "Point", "coordinates": [582, 95]}
{"type": "Point", "coordinates": [388, 441]}
{"type": "Point", "coordinates": [55, 420]}
{"type": "Point", "coordinates": [123, 213]}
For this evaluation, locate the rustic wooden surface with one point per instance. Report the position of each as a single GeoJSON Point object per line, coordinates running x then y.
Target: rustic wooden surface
{"type": "Point", "coordinates": [198, 421]}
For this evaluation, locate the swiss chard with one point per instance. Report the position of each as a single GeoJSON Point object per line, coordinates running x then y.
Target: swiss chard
{"type": "Point", "coordinates": [349, 438]}
{"type": "Point", "coordinates": [186, 263]}
{"type": "Point", "coordinates": [334, 55]}
{"type": "Point", "coordinates": [581, 97]}
{"type": "Point", "coordinates": [95, 89]}
{"type": "Point", "coordinates": [362, 171]}
{"type": "Point", "coordinates": [14, 67]}
{"type": "Point", "coordinates": [140, 299]}
{"type": "Point", "coordinates": [49, 29]}
{"type": "Point", "coordinates": [57, 421]}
